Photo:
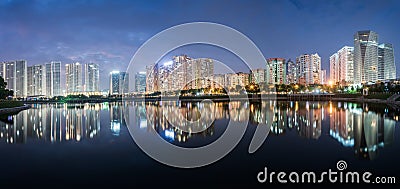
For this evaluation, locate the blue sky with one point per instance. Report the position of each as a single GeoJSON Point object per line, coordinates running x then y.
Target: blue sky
{"type": "Point", "coordinates": [109, 32]}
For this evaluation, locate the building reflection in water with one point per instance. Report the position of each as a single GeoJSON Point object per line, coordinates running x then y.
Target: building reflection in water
{"type": "Point", "coordinates": [52, 122]}
{"type": "Point", "coordinates": [364, 128]}
{"type": "Point", "coordinates": [366, 131]}
{"type": "Point", "coordinates": [349, 124]}
{"type": "Point", "coordinates": [116, 117]}
{"type": "Point", "coordinates": [150, 116]}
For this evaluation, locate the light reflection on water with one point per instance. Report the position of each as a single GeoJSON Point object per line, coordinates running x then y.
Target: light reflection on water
{"type": "Point", "coordinates": [362, 127]}
{"type": "Point", "coordinates": [356, 126]}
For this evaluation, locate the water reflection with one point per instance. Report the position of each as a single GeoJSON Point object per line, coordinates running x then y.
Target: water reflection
{"type": "Point", "coordinates": [52, 122]}
{"type": "Point", "coordinates": [365, 131]}
{"type": "Point", "coordinates": [364, 128]}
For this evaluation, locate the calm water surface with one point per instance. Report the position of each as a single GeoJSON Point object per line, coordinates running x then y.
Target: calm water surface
{"type": "Point", "coordinates": [90, 145]}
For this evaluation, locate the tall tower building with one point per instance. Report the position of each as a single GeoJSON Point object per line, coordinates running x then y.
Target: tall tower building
{"type": "Point", "coordinates": [36, 80]}
{"type": "Point", "coordinates": [323, 77]}
{"type": "Point", "coordinates": [316, 68]}
{"type": "Point", "coordinates": [219, 81]}
{"type": "Point", "coordinates": [292, 72]}
{"type": "Point", "coordinates": [180, 72]}
{"type": "Point", "coordinates": [15, 74]}
{"type": "Point", "coordinates": [53, 78]}
{"type": "Point", "coordinates": [386, 63]}
{"type": "Point", "coordinates": [365, 57]}
{"type": "Point", "coordinates": [309, 68]}
{"type": "Point", "coordinates": [200, 73]}
{"type": "Point", "coordinates": [8, 74]}
{"type": "Point", "coordinates": [232, 80]}
{"type": "Point", "coordinates": [140, 82]}
{"type": "Point", "coordinates": [21, 79]}
{"type": "Point", "coordinates": [151, 79]}
{"type": "Point", "coordinates": [334, 68]}
{"type": "Point", "coordinates": [341, 65]}
{"type": "Point", "coordinates": [258, 76]}
{"type": "Point", "coordinates": [276, 68]}
{"type": "Point", "coordinates": [73, 73]}
{"type": "Point", "coordinates": [119, 83]}
{"type": "Point", "coordinates": [92, 77]}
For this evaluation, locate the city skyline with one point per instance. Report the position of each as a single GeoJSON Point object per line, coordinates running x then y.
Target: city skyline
{"type": "Point", "coordinates": [111, 44]}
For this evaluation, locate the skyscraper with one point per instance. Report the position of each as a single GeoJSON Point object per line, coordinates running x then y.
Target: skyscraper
{"type": "Point", "coordinates": [8, 73]}
{"type": "Point", "coordinates": [386, 63]}
{"type": "Point", "coordinates": [119, 83]}
{"type": "Point", "coordinates": [73, 73]}
{"type": "Point", "coordinates": [200, 73]}
{"type": "Point", "coordinates": [292, 72]}
{"type": "Point", "coordinates": [219, 81]}
{"type": "Point", "coordinates": [92, 77]}
{"type": "Point", "coordinates": [323, 77]}
{"type": "Point", "coordinates": [365, 57]}
{"type": "Point", "coordinates": [180, 72]}
{"type": "Point", "coordinates": [151, 79]}
{"type": "Point", "coordinates": [140, 82]}
{"type": "Point", "coordinates": [341, 66]}
{"type": "Point", "coordinates": [257, 76]}
{"type": "Point", "coordinates": [36, 80]}
{"type": "Point", "coordinates": [232, 80]}
{"type": "Point", "coordinates": [53, 79]}
{"type": "Point", "coordinates": [15, 74]}
{"type": "Point", "coordinates": [276, 70]}
{"type": "Point", "coordinates": [334, 72]}
{"type": "Point", "coordinates": [309, 68]}
{"type": "Point", "coordinates": [21, 80]}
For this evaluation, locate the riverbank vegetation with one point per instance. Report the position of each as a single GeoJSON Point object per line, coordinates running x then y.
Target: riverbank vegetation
{"type": "Point", "coordinates": [10, 104]}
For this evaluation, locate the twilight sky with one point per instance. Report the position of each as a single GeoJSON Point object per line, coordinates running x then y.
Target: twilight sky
{"type": "Point", "coordinates": [109, 32]}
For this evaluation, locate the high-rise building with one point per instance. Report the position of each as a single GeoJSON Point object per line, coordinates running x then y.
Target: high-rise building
{"type": "Point", "coordinates": [119, 83]}
{"type": "Point", "coordinates": [140, 82]}
{"type": "Point", "coordinates": [200, 73]}
{"type": "Point", "coordinates": [292, 72]}
{"type": "Point", "coordinates": [386, 63]}
{"type": "Point", "coordinates": [8, 74]}
{"type": "Point", "coordinates": [258, 76]}
{"type": "Point", "coordinates": [53, 79]}
{"type": "Point", "coordinates": [151, 79]}
{"type": "Point", "coordinates": [180, 72]}
{"type": "Point", "coordinates": [165, 77]}
{"type": "Point", "coordinates": [21, 80]}
{"type": "Point", "coordinates": [36, 80]}
{"type": "Point", "coordinates": [316, 67]}
{"type": "Point", "coordinates": [323, 77]}
{"type": "Point", "coordinates": [219, 81]}
{"type": "Point", "coordinates": [309, 68]}
{"type": "Point", "coordinates": [365, 57]}
{"type": "Point", "coordinates": [276, 70]}
{"type": "Point", "coordinates": [73, 78]}
{"type": "Point", "coordinates": [341, 66]}
{"type": "Point", "coordinates": [92, 77]}
{"type": "Point", "coordinates": [15, 74]}
{"type": "Point", "coordinates": [232, 80]}
{"type": "Point", "coordinates": [334, 68]}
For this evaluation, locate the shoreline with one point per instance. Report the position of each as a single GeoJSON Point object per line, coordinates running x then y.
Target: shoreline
{"type": "Point", "coordinates": [222, 98]}
{"type": "Point", "coordinates": [13, 110]}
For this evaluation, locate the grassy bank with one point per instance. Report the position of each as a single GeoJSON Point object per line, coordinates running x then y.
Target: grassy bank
{"type": "Point", "coordinates": [382, 96]}
{"type": "Point", "coordinates": [10, 104]}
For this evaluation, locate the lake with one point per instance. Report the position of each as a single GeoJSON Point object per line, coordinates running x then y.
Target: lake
{"type": "Point", "coordinates": [88, 145]}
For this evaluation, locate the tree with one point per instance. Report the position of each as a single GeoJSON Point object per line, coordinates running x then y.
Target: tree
{"type": "Point", "coordinates": [4, 93]}
{"type": "Point", "coordinates": [252, 88]}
